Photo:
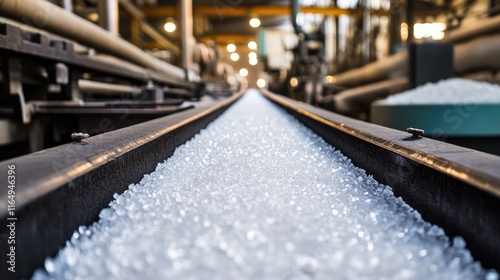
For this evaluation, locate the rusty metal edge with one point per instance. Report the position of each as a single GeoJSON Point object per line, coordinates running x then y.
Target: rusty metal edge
{"type": "Point", "coordinates": [435, 158]}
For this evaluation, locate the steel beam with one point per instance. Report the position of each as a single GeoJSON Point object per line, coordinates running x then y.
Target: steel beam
{"type": "Point", "coordinates": [231, 38]}
{"type": "Point", "coordinates": [222, 11]}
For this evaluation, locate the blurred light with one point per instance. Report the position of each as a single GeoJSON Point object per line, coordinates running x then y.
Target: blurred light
{"type": "Point", "coordinates": [404, 31]}
{"type": "Point", "coordinates": [235, 57]}
{"type": "Point", "coordinates": [255, 22]}
{"type": "Point", "coordinates": [252, 45]}
{"type": "Point", "coordinates": [261, 83]}
{"type": "Point", "coordinates": [253, 62]}
{"type": "Point", "coordinates": [231, 48]}
{"type": "Point", "coordinates": [429, 30]}
{"type": "Point", "coordinates": [243, 72]}
{"type": "Point", "coordinates": [252, 55]}
{"type": "Point", "coordinates": [94, 17]}
{"type": "Point", "coordinates": [330, 79]}
{"type": "Point", "coordinates": [294, 82]}
{"type": "Point", "coordinates": [170, 25]}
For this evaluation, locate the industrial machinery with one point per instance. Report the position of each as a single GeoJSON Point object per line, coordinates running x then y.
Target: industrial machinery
{"type": "Point", "coordinates": [82, 78]}
{"type": "Point", "coordinates": [61, 74]}
{"type": "Point", "coordinates": [305, 79]}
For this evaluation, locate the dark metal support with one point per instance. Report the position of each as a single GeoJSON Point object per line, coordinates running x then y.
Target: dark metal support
{"type": "Point", "coordinates": [59, 189]}
{"type": "Point", "coordinates": [14, 88]}
{"type": "Point", "coordinates": [453, 187]}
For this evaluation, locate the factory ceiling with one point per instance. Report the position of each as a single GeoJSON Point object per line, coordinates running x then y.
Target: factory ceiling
{"type": "Point", "coordinates": [226, 21]}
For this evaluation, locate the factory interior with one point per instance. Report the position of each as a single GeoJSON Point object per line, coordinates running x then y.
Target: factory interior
{"type": "Point", "coordinates": [94, 94]}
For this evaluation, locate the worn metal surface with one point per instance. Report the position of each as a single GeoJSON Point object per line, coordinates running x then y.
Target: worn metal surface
{"type": "Point", "coordinates": [61, 188]}
{"type": "Point", "coordinates": [16, 42]}
{"type": "Point", "coordinates": [453, 187]}
{"type": "Point", "coordinates": [43, 14]}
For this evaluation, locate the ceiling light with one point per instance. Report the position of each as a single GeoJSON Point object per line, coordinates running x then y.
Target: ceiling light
{"type": "Point", "coordinates": [234, 57]}
{"type": "Point", "coordinates": [252, 45]}
{"type": "Point", "coordinates": [261, 83]}
{"type": "Point", "coordinates": [243, 72]}
{"type": "Point", "coordinates": [231, 48]}
{"type": "Point", "coordinates": [252, 55]}
{"type": "Point", "coordinates": [94, 17]}
{"type": "Point", "coordinates": [255, 22]}
{"type": "Point", "coordinates": [170, 25]}
{"type": "Point", "coordinates": [253, 61]}
{"type": "Point", "coordinates": [330, 79]}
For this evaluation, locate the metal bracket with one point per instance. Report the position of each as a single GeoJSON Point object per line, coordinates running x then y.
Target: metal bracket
{"type": "Point", "coordinates": [12, 72]}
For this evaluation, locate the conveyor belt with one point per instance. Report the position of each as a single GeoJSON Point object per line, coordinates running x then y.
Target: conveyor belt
{"type": "Point", "coordinates": [61, 188]}
{"type": "Point", "coordinates": [454, 187]}
{"type": "Point", "coordinates": [464, 198]}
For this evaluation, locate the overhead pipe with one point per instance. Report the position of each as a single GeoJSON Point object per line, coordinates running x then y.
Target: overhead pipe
{"type": "Point", "coordinates": [467, 32]}
{"type": "Point", "coordinates": [47, 16]}
{"type": "Point", "coordinates": [469, 56]}
{"type": "Point", "coordinates": [396, 65]}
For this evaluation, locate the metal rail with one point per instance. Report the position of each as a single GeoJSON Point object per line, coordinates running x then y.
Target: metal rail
{"type": "Point", "coordinates": [453, 187]}
{"type": "Point", "coordinates": [59, 189]}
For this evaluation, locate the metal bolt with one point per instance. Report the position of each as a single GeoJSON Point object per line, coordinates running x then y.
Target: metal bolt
{"type": "Point", "coordinates": [415, 131]}
{"type": "Point", "coordinates": [79, 136]}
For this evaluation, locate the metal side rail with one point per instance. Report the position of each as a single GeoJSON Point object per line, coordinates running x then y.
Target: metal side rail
{"type": "Point", "coordinates": [59, 189]}
{"type": "Point", "coordinates": [454, 187]}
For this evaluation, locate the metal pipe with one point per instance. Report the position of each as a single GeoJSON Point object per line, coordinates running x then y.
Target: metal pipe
{"type": "Point", "coordinates": [108, 15]}
{"type": "Point", "coordinates": [99, 87]}
{"type": "Point", "coordinates": [347, 99]}
{"type": "Point", "coordinates": [295, 7]}
{"type": "Point", "coordinates": [396, 65]}
{"type": "Point", "coordinates": [47, 16]}
{"type": "Point", "coordinates": [479, 54]}
{"type": "Point", "coordinates": [392, 66]}
{"type": "Point", "coordinates": [186, 16]}
{"type": "Point", "coordinates": [68, 5]}
{"type": "Point", "coordinates": [479, 28]}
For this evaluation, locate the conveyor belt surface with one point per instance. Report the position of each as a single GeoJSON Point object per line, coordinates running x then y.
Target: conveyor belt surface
{"type": "Point", "coordinates": [259, 196]}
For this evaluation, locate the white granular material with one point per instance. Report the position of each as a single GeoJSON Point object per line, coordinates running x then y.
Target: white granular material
{"type": "Point", "coordinates": [452, 91]}
{"type": "Point", "coordinates": [257, 195]}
